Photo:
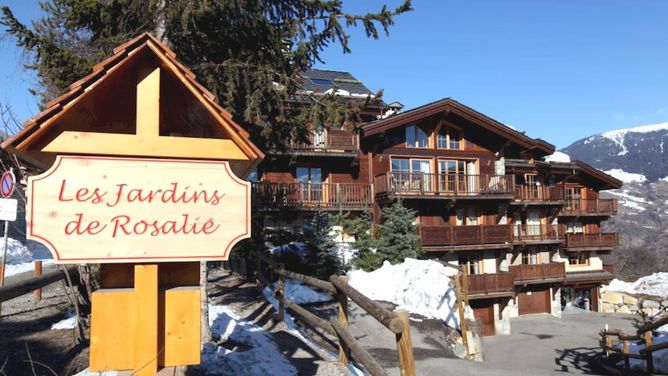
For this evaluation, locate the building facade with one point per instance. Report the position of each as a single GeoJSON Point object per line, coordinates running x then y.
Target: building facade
{"type": "Point", "coordinates": [526, 228]}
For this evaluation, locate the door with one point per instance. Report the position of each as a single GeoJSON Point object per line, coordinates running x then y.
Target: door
{"type": "Point", "coordinates": [534, 301]}
{"type": "Point", "coordinates": [484, 317]}
{"type": "Point", "coordinates": [309, 184]}
{"type": "Point", "coordinates": [574, 199]}
{"type": "Point", "coordinates": [421, 171]}
{"type": "Point", "coordinates": [319, 137]}
{"type": "Point", "coordinates": [533, 223]}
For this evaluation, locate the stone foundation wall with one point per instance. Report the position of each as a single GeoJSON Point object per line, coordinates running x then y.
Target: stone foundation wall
{"type": "Point", "coordinates": [619, 302]}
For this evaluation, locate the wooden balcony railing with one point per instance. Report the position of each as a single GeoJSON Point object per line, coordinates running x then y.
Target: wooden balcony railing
{"type": "Point", "coordinates": [317, 195]}
{"type": "Point", "coordinates": [334, 140]}
{"type": "Point", "coordinates": [525, 192]}
{"type": "Point", "coordinates": [538, 272]}
{"type": "Point", "coordinates": [424, 184]}
{"type": "Point", "coordinates": [490, 283]}
{"type": "Point", "coordinates": [465, 235]}
{"type": "Point", "coordinates": [524, 233]}
{"type": "Point", "coordinates": [609, 268]}
{"type": "Point", "coordinates": [601, 206]}
{"type": "Point", "coordinates": [604, 240]}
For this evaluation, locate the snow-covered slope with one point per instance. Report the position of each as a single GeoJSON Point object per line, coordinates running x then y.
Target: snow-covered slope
{"type": "Point", "coordinates": [638, 150]}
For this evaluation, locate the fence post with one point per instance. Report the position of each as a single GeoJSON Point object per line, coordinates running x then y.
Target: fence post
{"type": "Point", "coordinates": [344, 351]}
{"type": "Point", "coordinates": [625, 349]}
{"type": "Point", "coordinates": [405, 346]}
{"type": "Point", "coordinates": [258, 271]}
{"type": "Point", "coordinates": [281, 295]}
{"type": "Point", "coordinates": [650, 358]}
{"type": "Point", "coordinates": [608, 345]}
{"type": "Point", "coordinates": [38, 273]}
{"type": "Point", "coordinates": [462, 316]}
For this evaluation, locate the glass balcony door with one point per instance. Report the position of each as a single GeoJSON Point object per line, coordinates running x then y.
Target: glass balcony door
{"type": "Point", "coordinates": [309, 181]}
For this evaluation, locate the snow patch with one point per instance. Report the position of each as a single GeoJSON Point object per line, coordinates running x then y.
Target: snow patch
{"type": "Point", "coordinates": [626, 177]}
{"type": "Point", "coordinates": [655, 284]}
{"type": "Point", "coordinates": [558, 157]}
{"type": "Point", "coordinates": [299, 293]}
{"type": "Point", "coordinates": [423, 287]}
{"type": "Point", "coordinates": [69, 322]}
{"type": "Point", "coordinates": [618, 136]}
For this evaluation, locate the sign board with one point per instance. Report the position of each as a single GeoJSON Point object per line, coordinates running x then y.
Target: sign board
{"type": "Point", "coordinates": [7, 184]}
{"type": "Point", "coordinates": [8, 208]}
{"type": "Point", "coordinates": [101, 210]}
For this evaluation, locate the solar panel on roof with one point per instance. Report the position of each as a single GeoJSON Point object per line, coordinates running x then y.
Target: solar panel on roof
{"type": "Point", "coordinates": [321, 82]}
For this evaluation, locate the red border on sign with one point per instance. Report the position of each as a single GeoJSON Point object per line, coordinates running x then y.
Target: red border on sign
{"type": "Point", "coordinates": [2, 184]}
{"type": "Point", "coordinates": [225, 164]}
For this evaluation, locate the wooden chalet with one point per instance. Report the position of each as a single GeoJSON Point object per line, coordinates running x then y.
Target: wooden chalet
{"type": "Point", "coordinates": [527, 230]}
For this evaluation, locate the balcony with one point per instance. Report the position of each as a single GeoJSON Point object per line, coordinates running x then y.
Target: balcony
{"type": "Point", "coordinates": [600, 241]}
{"type": "Point", "coordinates": [585, 207]}
{"type": "Point", "coordinates": [310, 196]}
{"type": "Point", "coordinates": [538, 273]}
{"type": "Point", "coordinates": [539, 194]}
{"type": "Point", "coordinates": [537, 234]}
{"type": "Point", "coordinates": [483, 236]}
{"type": "Point", "coordinates": [445, 186]}
{"type": "Point", "coordinates": [489, 285]}
{"type": "Point", "coordinates": [334, 143]}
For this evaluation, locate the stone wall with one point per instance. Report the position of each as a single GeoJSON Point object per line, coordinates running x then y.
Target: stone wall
{"type": "Point", "coordinates": [619, 302]}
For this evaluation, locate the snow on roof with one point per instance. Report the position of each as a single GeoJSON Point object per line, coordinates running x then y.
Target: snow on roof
{"type": "Point", "coordinates": [423, 287]}
{"type": "Point", "coordinates": [626, 177]}
{"type": "Point", "coordinates": [558, 157]}
{"type": "Point", "coordinates": [655, 284]}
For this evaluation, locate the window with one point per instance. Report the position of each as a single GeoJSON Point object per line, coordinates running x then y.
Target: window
{"type": "Point", "coordinates": [473, 263]}
{"type": "Point", "coordinates": [573, 198]}
{"type": "Point", "coordinates": [468, 217]}
{"type": "Point", "coordinates": [452, 175]}
{"type": "Point", "coordinates": [321, 81]}
{"type": "Point", "coordinates": [416, 137]}
{"type": "Point", "coordinates": [309, 183]}
{"type": "Point", "coordinates": [532, 187]}
{"type": "Point", "coordinates": [411, 174]}
{"type": "Point", "coordinates": [530, 257]}
{"type": "Point", "coordinates": [578, 259]}
{"type": "Point", "coordinates": [449, 138]}
{"type": "Point", "coordinates": [574, 228]}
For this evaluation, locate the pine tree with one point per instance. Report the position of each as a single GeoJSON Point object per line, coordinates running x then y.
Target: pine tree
{"type": "Point", "coordinates": [365, 243]}
{"type": "Point", "coordinates": [322, 254]}
{"type": "Point", "coordinates": [248, 53]}
{"type": "Point", "coordinates": [398, 238]}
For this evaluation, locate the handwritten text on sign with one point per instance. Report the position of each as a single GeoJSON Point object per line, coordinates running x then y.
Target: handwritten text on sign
{"type": "Point", "coordinates": [92, 209]}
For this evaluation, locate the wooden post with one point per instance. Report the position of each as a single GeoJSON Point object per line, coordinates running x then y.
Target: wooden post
{"type": "Point", "coordinates": [405, 346]}
{"type": "Point", "coordinates": [38, 273]}
{"type": "Point", "coordinates": [465, 285]}
{"type": "Point", "coordinates": [146, 320]}
{"type": "Point", "coordinates": [258, 271]}
{"type": "Point", "coordinates": [462, 315]}
{"type": "Point", "coordinates": [281, 296]}
{"type": "Point", "coordinates": [625, 349]}
{"type": "Point", "coordinates": [608, 345]}
{"type": "Point", "coordinates": [344, 351]}
{"type": "Point", "coordinates": [647, 336]}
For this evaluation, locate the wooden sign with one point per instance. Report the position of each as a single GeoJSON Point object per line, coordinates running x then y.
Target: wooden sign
{"type": "Point", "coordinates": [103, 209]}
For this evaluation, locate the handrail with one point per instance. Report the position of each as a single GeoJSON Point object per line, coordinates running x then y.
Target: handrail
{"type": "Point", "coordinates": [585, 205]}
{"type": "Point", "coordinates": [642, 333]}
{"type": "Point", "coordinates": [444, 184]}
{"type": "Point", "coordinates": [17, 289]}
{"type": "Point", "coordinates": [334, 195]}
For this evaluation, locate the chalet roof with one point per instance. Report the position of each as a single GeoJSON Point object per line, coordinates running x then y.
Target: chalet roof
{"type": "Point", "coordinates": [451, 105]}
{"type": "Point", "coordinates": [609, 182]}
{"type": "Point", "coordinates": [44, 120]}
{"type": "Point", "coordinates": [319, 81]}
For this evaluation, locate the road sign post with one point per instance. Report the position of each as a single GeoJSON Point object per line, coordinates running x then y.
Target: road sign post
{"type": "Point", "coordinates": [8, 208]}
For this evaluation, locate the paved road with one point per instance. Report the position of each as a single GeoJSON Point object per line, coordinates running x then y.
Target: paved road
{"type": "Point", "coordinates": [542, 344]}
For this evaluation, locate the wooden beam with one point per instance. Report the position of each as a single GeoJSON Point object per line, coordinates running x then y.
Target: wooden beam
{"type": "Point", "coordinates": [72, 142]}
{"type": "Point", "coordinates": [148, 103]}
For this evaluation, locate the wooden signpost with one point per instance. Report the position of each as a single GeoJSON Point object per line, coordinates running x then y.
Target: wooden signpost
{"type": "Point", "coordinates": [142, 175]}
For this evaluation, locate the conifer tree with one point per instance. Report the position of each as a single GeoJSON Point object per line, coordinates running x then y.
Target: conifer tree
{"type": "Point", "coordinates": [322, 254]}
{"type": "Point", "coordinates": [248, 53]}
{"type": "Point", "coordinates": [397, 234]}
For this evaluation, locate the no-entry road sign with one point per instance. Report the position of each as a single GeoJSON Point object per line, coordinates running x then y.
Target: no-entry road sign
{"type": "Point", "coordinates": [7, 184]}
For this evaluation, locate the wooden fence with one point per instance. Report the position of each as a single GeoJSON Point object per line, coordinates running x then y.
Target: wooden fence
{"type": "Point", "coordinates": [29, 285]}
{"type": "Point", "coordinates": [338, 287]}
{"type": "Point", "coordinates": [643, 333]}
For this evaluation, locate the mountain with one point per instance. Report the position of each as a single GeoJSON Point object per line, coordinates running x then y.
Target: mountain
{"type": "Point", "coordinates": [637, 157]}
{"type": "Point", "coordinates": [637, 150]}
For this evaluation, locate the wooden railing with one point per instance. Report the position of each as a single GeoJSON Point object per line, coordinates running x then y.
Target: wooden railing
{"type": "Point", "coordinates": [338, 287]}
{"type": "Point", "coordinates": [490, 282]}
{"type": "Point", "coordinates": [609, 268]}
{"type": "Point", "coordinates": [465, 235]}
{"type": "Point", "coordinates": [526, 192]}
{"type": "Point", "coordinates": [538, 272]}
{"type": "Point", "coordinates": [323, 195]}
{"type": "Point", "coordinates": [603, 239]}
{"type": "Point", "coordinates": [552, 232]}
{"type": "Point", "coordinates": [329, 141]}
{"type": "Point", "coordinates": [644, 334]}
{"type": "Point", "coordinates": [606, 206]}
{"type": "Point", "coordinates": [408, 183]}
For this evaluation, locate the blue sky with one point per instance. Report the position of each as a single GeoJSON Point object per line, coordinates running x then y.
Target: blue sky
{"type": "Point", "coordinates": [557, 69]}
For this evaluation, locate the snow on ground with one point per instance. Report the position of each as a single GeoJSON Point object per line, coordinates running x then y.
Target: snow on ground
{"type": "Point", "coordinates": [256, 352]}
{"type": "Point", "coordinates": [660, 357]}
{"type": "Point", "coordinates": [626, 177]}
{"type": "Point", "coordinates": [423, 287]}
{"type": "Point", "coordinates": [13, 269]}
{"type": "Point", "coordinates": [299, 293]}
{"type": "Point", "coordinates": [628, 200]}
{"type": "Point", "coordinates": [618, 136]}
{"type": "Point", "coordinates": [655, 284]}
{"type": "Point", "coordinates": [21, 257]}
{"type": "Point", "coordinates": [68, 322]}
{"type": "Point", "coordinates": [558, 157]}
